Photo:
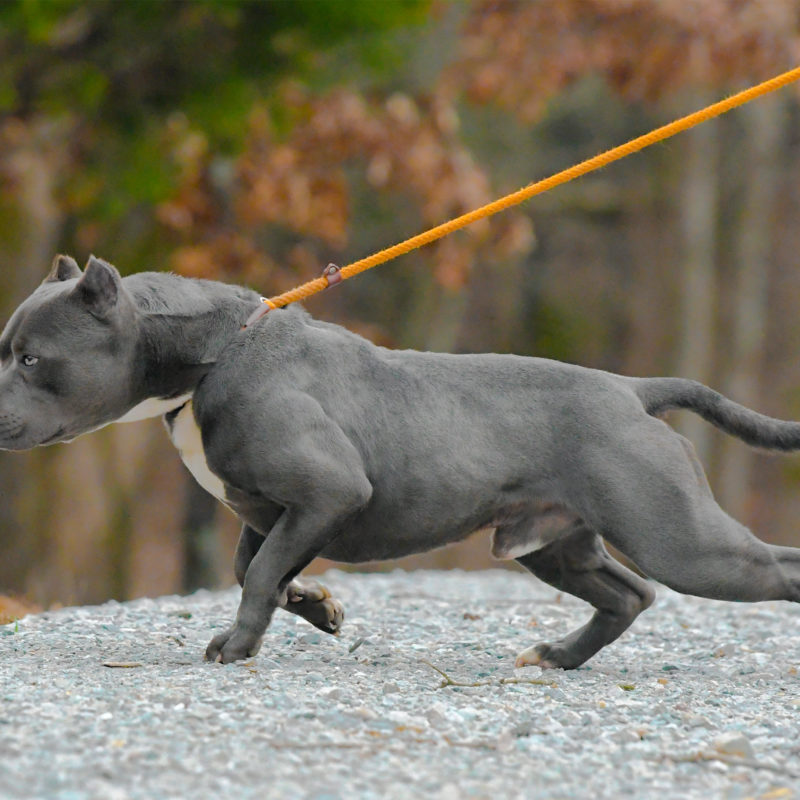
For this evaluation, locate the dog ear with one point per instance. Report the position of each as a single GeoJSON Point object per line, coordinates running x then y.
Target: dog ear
{"type": "Point", "coordinates": [99, 287]}
{"type": "Point", "coordinates": [64, 268]}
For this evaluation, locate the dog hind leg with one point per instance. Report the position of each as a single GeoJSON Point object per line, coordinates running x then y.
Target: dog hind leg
{"type": "Point", "coordinates": [578, 563]}
{"type": "Point", "coordinates": [651, 501]}
{"type": "Point", "coordinates": [707, 553]}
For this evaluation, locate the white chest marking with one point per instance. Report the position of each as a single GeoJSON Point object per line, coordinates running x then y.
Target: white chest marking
{"type": "Point", "coordinates": [185, 435]}
{"type": "Point", "coordinates": [154, 407]}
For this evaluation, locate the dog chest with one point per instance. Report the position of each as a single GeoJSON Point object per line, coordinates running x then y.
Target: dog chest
{"type": "Point", "coordinates": [185, 435]}
{"type": "Point", "coordinates": [154, 407]}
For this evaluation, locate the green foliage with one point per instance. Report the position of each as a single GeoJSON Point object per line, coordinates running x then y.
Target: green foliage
{"type": "Point", "coordinates": [126, 60]}
{"type": "Point", "coordinates": [118, 72]}
{"type": "Point", "coordinates": [556, 332]}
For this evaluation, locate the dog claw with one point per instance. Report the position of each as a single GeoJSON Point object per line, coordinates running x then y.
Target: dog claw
{"type": "Point", "coordinates": [528, 658]}
{"type": "Point", "coordinates": [312, 601]}
{"type": "Point", "coordinates": [235, 644]}
{"type": "Point", "coordinates": [536, 657]}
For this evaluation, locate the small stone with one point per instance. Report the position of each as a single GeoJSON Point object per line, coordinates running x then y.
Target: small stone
{"type": "Point", "coordinates": [364, 713]}
{"type": "Point", "coordinates": [524, 729]}
{"type": "Point", "coordinates": [626, 735]}
{"type": "Point", "coordinates": [437, 714]}
{"type": "Point", "coordinates": [696, 720]}
{"type": "Point", "coordinates": [505, 742]}
{"type": "Point", "coordinates": [734, 744]}
{"type": "Point", "coordinates": [449, 792]}
{"type": "Point", "coordinates": [404, 720]}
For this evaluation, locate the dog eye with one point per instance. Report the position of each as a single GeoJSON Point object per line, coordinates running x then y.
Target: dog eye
{"type": "Point", "coordinates": [29, 361]}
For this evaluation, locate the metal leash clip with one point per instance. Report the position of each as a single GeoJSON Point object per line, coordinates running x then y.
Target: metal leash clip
{"type": "Point", "coordinates": [264, 309]}
{"type": "Point", "coordinates": [332, 274]}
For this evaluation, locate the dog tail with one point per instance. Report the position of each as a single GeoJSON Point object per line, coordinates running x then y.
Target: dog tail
{"type": "Point", "coordinates": [662, 394]}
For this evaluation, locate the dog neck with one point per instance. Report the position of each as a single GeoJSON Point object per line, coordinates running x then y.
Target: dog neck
{"type": "Point", "coordinates": [182, 327]}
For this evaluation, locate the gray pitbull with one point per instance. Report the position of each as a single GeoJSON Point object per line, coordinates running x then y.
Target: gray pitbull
{"type": "Point", "coordinates": [326, 445]}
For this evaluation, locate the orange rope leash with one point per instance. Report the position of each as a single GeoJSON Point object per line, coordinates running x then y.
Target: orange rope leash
{"type": "Point", "coordinates": [333, 275]}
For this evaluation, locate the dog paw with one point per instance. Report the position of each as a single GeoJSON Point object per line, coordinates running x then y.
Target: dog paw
{"type": "Point", "coordinates": [546, 656]}
{"type": "Point", "coordinates": [313, 602]}
{"type": "Point", "coordinates": [233, 645]}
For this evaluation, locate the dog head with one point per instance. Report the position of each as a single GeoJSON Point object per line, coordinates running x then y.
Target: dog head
{"type": "Point", "coordinates": [66, 356]}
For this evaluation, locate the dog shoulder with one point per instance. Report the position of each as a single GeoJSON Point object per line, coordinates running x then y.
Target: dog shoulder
{"type": "Point", "coordinates": [284, 352]}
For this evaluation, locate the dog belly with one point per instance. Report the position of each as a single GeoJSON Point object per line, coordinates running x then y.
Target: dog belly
{"type": "Point", "coordinates": [185, 435]}
{"type": "Point", "coordinates": [391, 527]}
{"type": "Point", "coordinates": [378, 538]}
{"type": "Point", "coordinates": [358, 548]}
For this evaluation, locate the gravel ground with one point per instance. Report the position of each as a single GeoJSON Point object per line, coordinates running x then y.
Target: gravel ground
{"type": "Point", "coordinates": [699, 700]}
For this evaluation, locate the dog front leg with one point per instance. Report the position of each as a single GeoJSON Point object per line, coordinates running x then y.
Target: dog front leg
{"type": "Point", "coordinates": [308, 598]}
{"type": "Point", "coordinates": [250, 541]}
{"type": "Point", "coordinates": [300, 533]}
{"type": "Point", "coordinates": [312, 474]}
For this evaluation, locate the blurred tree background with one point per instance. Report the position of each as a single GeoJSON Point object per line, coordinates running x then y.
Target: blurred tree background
{"type": "Point", "coordinates": [254, 142]}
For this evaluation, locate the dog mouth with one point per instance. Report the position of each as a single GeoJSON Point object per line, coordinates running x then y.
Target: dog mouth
{"type": "Point", "coordinates": [58, 436]}
{"type": "Point", "coordinates": [11, 428]}
{"type": "Point", "coordinates": [15, 434]}
{"type": "Point", "coordinates": [15, 439]}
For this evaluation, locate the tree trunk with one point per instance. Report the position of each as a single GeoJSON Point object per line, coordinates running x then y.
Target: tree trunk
{"type": "Point", "coordinates": [201, 556]}
{"type": "Point", "coordinates": [763, 123]}
{"type": "Point", "coordinates": [698, 223]}
{"type": "Point", "coordinates": [34, 165]}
